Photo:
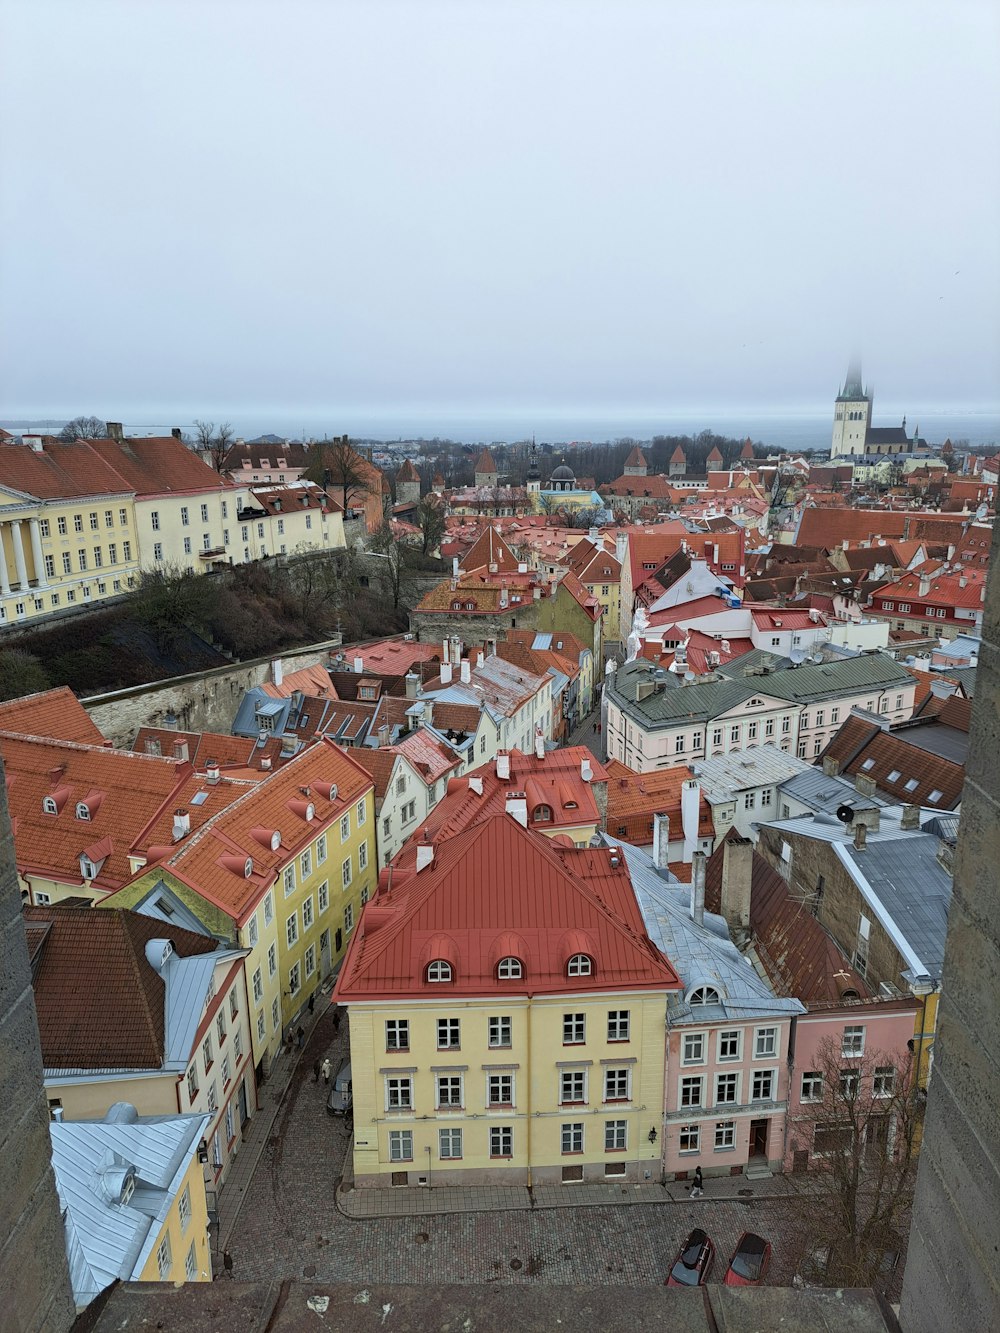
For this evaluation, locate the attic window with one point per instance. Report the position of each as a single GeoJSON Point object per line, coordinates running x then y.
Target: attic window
{"type": "Point", "coordinates": [911, 784]}
{"type": "Point", "coordinates": [199, 798]}
{"type": "Point", "coordinates": [935, 796]}
{"type": "Point", "coordinates": [542, 814]}
{"type": "Point", "coordinates": [509, 969]}
{"type": "Point", "coordinates": [87, 868]}
{"type": "Point", "coordinates": [869, 763]}
{"type": "Point", "coordinates": [704, 995]}
{"type": "Point", "coordinates": [580, 965]}
{"type": "Point", "coordinates": [49, 806]}
{"type": "Point", "coordinates": [439, 970]}
{"type": "Point", "coordinates": [164, 906]}
{"type": "Point", "coordinates": [570, 805]}
{"type": "Point", "coordinates": [82, 810]}
{"type": "Point", "coordinates": [128, 1189]}
{"type": "Point", "coordinates": [894, 776]}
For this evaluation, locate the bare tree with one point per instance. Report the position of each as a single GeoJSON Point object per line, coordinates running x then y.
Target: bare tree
{"type": "Point", "coordinates": [213, 442]}
{"type": "Point", "coordinates": [430, 519]}
{"type": "Point", "coordinates": [863, 1136]}
{"type": "Point", "coordinates": [337, 463]}
{"type": "Point", "coordinates": [394, 568]}
{"type": "Point", "coordinates": [84, 428]}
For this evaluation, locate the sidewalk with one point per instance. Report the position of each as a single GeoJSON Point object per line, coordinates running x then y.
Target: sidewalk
{"type": "Point", "coordinates": [257, 1131]}
{"type": "Point", "coordinates": [366, 1204]}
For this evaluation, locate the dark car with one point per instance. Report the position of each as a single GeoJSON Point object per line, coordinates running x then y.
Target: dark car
{"type": "Point", "coordinates": [749, 1262]}
{"type": "Point", "coordinates": [694, 1263]}
{"type": "Point", "coordinates": [341, 1098]}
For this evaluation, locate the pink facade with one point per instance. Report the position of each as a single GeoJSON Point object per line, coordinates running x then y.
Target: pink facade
{"type": "Point", "coordinates": [726, 1096]}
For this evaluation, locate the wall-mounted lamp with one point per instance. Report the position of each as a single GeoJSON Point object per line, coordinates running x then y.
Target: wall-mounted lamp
{"type": "Point", "coordinates": [652, 1135]}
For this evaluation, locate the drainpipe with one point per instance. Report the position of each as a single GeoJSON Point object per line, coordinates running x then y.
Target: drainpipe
{"type": "Point", "coordinates": [527, 1118]}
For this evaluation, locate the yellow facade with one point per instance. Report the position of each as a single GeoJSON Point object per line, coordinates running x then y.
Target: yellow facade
{"type": "Point", "coordinates": [319, 895]}
{"type": "Point", "coordinates": [603, 1137]}
{"type": "Point", "coordinates": [59, 554]}
{"type": "Point", "coordinates": [188, 533]}
{"type": "Point", "coordinates": [610, 597]}
{"type": "Point", "coordinates": [183, 1237]}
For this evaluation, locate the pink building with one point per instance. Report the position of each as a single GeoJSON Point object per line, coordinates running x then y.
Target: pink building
{"type": "Point", "coordinates": [248, 464]}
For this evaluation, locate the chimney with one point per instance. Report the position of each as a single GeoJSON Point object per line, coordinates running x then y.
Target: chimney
{"type": "Point", "coordinates": [831, 765]}
{"type": "Point", "coordinates": [175, 431]}
{"type": "Point", "coordinates": [661, 841]}
{"type": "Point", "coordinates": [522, 567]}
{"type": "Point", "coordinates": [539, 745]}
{"type": "Point", "coordinates": [425, 855]}
{"type": "Point", "coordinates": [698, 889]}
{"type": "Point", "coordinates": [445, 673]}
{"type": "Point", "coordinates": [182, 824]}
{"type": "Point", "coordinates": [491, 647]}
{"type": "Point", "coordinates": [910, 818]}
{"type": "Point", "coordinates": [924, 586]}
{"type": "Point", "coordinates": [476, 785]}
{"type": "Point", "coordinates": [411, 681]}
{"type": "Point", "coordinates": [444, 654]}
{"type": "Point", "coordinates": [864, 784]}
{"type": "Point", "coordinates": [265, 764]}
{"type": "Point", "coordinates": [860, 836]}
{"type": "Point", "coordinates": [359, 665]}
{"type": "Point", "coordinates": [690, 813]}
{"type": "Point", "coordinates": [57, 1114]}
{"type": "Point", "coordinates": [454, 567]}
{"type": "Point", "coordinates": [466, 670]}
{"type": "Point", "coordinates": [34, 443]}
{"type": "Point", "coordinates": [181, 751]}
{"type": "Point", "coordinates": [517, 805]}
{"type": "Point", "coordinates": [586, 772]}
{"type": "Point", "coordinates": [384, 735]}
{"type": "Point", "coordinates": [503, 767]}
{"type": "Point", "coordinates": [621, 546]}
{"type": "Point", "coordinates": [277, 671]}
{"type": "Point", "coordinates": [593, 534]}
{"type": "Point", "coordinates": [115, 431]}
{"type": "Point", "coordinates": [428, 714]}
{"type": "Point", "coordinates": [212, 772]}
{"type": "Point", "coordinates": [962, 581]}
{"type": "Point", "coordinates": [737, 878]}
{"type": "Point", "coordinates": [943, 689]}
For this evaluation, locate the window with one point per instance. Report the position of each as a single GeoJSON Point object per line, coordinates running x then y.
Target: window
{"type": "Point", "coordinates": [727, 1088]}
{"type": "Point", "coordinates": [572, 1137]}
{"type": "Point", "coordinates": [763, 1085]}
{"type": "Point", "coordinates": [765, 1043]}
{"type": "Point", "coordinates": [323, 894]}
{"type": "Point", "coordinates": [310, 960]}
{"type": "Point", "coordinates": [679, 744]}
{"type": "Point", "coordinates": [448, 1034]}
{"type": "Point", "coordinates": [163, 1259]}
{"type": "Point", "coordinates": [272, 960]}
{"type": "Point", "coordinates": [769, 727]}
{"type": "Point", "coordinates": [689, 1138]}
{"type": "Point", "coordinates": [509, 969]}
{"type": "Point", "coordinates": [321, 849]}
{"type": "Point", "coordinates": [192, 1082]}
{"type": "Point", "coordinates": [67, 562]}
{"type": "Point", "coordinates": [812, 1086]}
{"type": "Point", "coordinates": [401, 1145]}
{"type": "Point", "coordinates": [692, 1086]}
{"type": "Point", "coordinates": [307, 912]}
{"type": "Point", "coordinates": [81, 557]}
{"type": "Point", "coordinates": [346, 873]}
{"type": "Point", "coordinates": [397, 1034]}
{"type": "Point", "coordinates": [500, 1032]}
{"type": "Point", "coordinates": [786, 725]}
{"type": "Point", "coordinates": [206, 1052]}
{"type": "Point", "coordinates": [911, 785]}
{"type": "Point", "coordinates": [295, 979]}
{"type": "Point", "coordinates": [703, 995]}
{"type": "Point", "coordinates": [94, 522]}
{"type": "Point", "coordinates": [749, 800]}
{"type": "Point", "coordinates": [288, 879]}
{"type": "Point", "coordinates": [305, 863]}
{"type": "Point", "coordinates": [345, 827]}
{"type": "Point", "coordinates": [439, 970]}
{"type": "Point", "coordinates": [693, 1048]}
{"type": "Point", "coordinates": [765, 796]}
{"type": "Point", "coordinates": [751, 731]}
{"type": "Point", "coordinates": [360, 813]}
{"type": "Point", "coordinates": [734, 735]}
{"type": "Point", "coordinates": [449, 1090]}
{"type": "Point", "coordinates": [449, 1144]}
{"type": "Point", "coordinates": [185, 518]}
{"type": "Point", "coordinates": [275, 1015]}
{"type": "Point", "coordinates": [850, 1082]}
{"type": "Point", "coordinates": [258, 986]}
{"type": "Point", "coordinates": [935, 796]}
{"type": "Point", "coordinates": [399, 1093]}
{"type": "Point", "coordinates": [618, 1025]}
{"type": "Point", "coordinates": [725, 1135]}
{"type": "Point", "coordinates": [717, 736]}
{"type": "Point", "coordinates": [61, 526]}
{"type": "Point", "coordinates": [501, 1141]}
{"type": "Point", "coordinates": [615, 1135]}
{"type": "Point", "coordinates": [292, 929]}
{"type": "Point", "coordinates": [268, 910]}
{"type": "Point", "coordinates": [213, 1097]}
{"type": "Point", "coordinates": [252, 935]}
{"type": "Point", "coordinates": [884, 1083]}
{"type": "Point", "coordinates": [574, 1029]}
{"type": "Point", "coordinates": [154, 519]}
{"type": "Point", "coordinates": [363, 856]}
{"type": "Point", "coordinates": [834, 715]}
{"type": "Point", "coordinates": [500, 1090]}
{"type": "Point", "coordinates": [126, 550]}
{"type": "Point", "coordinates": [853, 1044]}
{"type": "Point", "coordinates": [226, 1072]}
{"type": "Point", "coordinates": [50, 567]}
{"type": "Point", "coordinates": [617, 1084]}
{"type": "Point", "coordinates": [187, 545]}
{"type": "Point", "coordinates": [579, 966]}
{"type": "Point", "coordinates": [348, 919]}
{"type": "Point", "coordinates": [220, 1025]}
{"type": "Point", "coordinates": [572, 1087]}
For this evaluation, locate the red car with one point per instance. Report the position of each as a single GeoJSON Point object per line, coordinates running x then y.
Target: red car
{"type": "Point", "coordinates": [749, 1263]}
{"type": "Point", "coordinates": [693, 1264]}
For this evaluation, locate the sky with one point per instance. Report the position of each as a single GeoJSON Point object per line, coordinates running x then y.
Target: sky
{"type": "Point", "coordinates": [466, 206]}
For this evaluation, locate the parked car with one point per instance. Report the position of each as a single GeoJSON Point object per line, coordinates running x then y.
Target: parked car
{"type": "Point", "coordinates": [341, 1098]}
{"type": "Point", "coordinates": [694, 1262]}
{"type": "Point", "coordinates": [749, 1263]}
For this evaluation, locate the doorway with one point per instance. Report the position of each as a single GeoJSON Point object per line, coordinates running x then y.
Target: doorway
{"type": "Point", "coordinates": [242, 1099]}
{"type": "Point", "coordinates": [758, 1139]}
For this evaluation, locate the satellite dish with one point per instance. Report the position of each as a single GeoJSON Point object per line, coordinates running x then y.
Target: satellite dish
{"type": "Point", "coordinates": [845, 813]}
{"type": "Point", "coordinates": [798, 656]}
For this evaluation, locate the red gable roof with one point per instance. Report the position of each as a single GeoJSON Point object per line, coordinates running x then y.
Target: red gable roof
{"type": "Point", "coordinates": [490, 549]}
{"type": "Point", "coordinates": [485, 463]}
{"type": "Point", "coordinates": [500, 890]}
{"type": "Point", "coordinates": [56, 714]}
{"type": "Point", "coordinates": [407, 472]}
{"type": "Point", "coordinates": [158, 466]}
{"type": "Point", "coordinates": [61, 470]}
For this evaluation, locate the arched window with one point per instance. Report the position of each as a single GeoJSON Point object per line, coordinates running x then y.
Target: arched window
{"type": "Point", "coordinates": [509, 969]}
{"type": "Point", "coordinates": [543, 814]}
{"type": "Point", "coordinates": [82, 810]}
{"type": "Point", "coordinates": [704, 995]}
{"type": "Point", "coordinates": [439, 970]}
{"type": "Point", "coordinates": [49, 806]}
{"type": "Point", "coordinates": [579, 966]}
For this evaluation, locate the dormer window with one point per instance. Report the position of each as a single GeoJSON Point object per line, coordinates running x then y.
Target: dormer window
{"type": "Point", "coordinates": [439, 970]}
{"type": "Point", "coordinates": [543, 814]}
{"type": "Point", "coordinates": [580, 965]}
{"type": "Point", "coordinates": [87, 868]}
{"type": "Point", "coordinates": [49, 806]}
{"type": "Point", "coordinates": [82, 810]}
{"type": "Point", "coordinates": [128, 1189]}
{"type": "Point", "coordinates": [509, 969]}
{"type": "Point", "coordinates": [704, 995]}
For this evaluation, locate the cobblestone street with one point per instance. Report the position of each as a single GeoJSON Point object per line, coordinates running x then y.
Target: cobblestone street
{"type": "Point", "coordinates": [290, 1226]}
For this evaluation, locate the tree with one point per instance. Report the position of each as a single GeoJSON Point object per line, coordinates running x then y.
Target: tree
{"type": "Point", "coordinates": [336, 463]}
{"type": "Point", "coordinates": [214, 442]}
{"type": "Point", "coordinates": [866, 1126]}
{"type": "Point", "coordinates": [430, 520]}
{"type": "Point", "coordinates": [84, 428]}
{"type": "Point", "coordinates": [391, 557]}
{"type": "Point", "coordinates": [21, 673]}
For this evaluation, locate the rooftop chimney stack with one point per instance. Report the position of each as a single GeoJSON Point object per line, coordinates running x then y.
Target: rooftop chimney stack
{"type": "Point", "coordinates": [910, 818]}
{"type": "Point", "coordinates": [737, 878]}
{"type": "Point", "coordinates": [831, 765]}
{"type": "Point", "coordinates": [212, 774]}
{"type": "Point", "coordinates": [539, 745]}
{"type": "Point", "coordinates": [425, 855]}
{"type": "Point", "coordinates": [517, 806]}
{"type": "Point", "coordinates": [586, 772]}
{"type": "Point", "coordinates": [412, 682]}
{"type": "Point", "coordinates": [181, 751]}
{"type": "Point", "coordinates": [661, 841]}
{"type": "Point", "coordinates": [476, 784]}
{"type": "Point", "coordinates": [698, 889]}
{"type": "Point", "coordinates": [860, 836]}
{"type": "Point", "coordinates": [359, 665]}
{"type": "Point", "coordinates": [446, 673]}
{"type": "Point", "coordinates": [503, 767]}
{"type": "Point", "coordinates": [182, 824]}
{"type": "Point", "coordinates": [115, 431]}
{"type": "Point", "coordinates": [277, 671]}
{"type": "Point", "coordinates": [466, 671]}
{"type": "Point", "coordinates": [176, 432]}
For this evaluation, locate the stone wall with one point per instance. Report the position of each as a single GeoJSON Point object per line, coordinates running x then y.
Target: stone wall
{"type": "Point", "coordinates": [952, 1271]}
{"type": "Point", "coordinates": [435, 626]}
{"type": "Point", "coordinates": [34, 1275]}
{"type": "Point", "coordinates": [205, 701]}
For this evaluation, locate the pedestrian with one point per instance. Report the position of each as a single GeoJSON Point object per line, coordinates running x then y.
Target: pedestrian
{"type": "Point", "coordinates": [227, 1263]}
{"type": "Point", "coordinates": [595, 728]}
{"type": "Point", "coordinates": [598, 728]}
{"type": "Point", "coordinates": [696, 1189]}
{"type": "Point", "coordinates": [336, 1020]}
{"type": "Point", "coordinates": [326, 1070]}
{"type": "Point", "coordinates": [301, 1036]}
{"type": "Point", "coordinates": [312, 1002]}
{"type": "Point", "coordinates": [316, 1068]}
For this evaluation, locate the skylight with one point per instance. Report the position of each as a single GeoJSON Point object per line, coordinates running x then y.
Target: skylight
{"type": "Point", "coordinates": [869, 763]}
{"type": "Point", "coordinates": [199, 798]}
{"type": "Point", "coordinates": [935, 796]}
{"type": "Point", "coordinates": [911, 785]}
{"type": "Point", "coordinates": [895, 775]}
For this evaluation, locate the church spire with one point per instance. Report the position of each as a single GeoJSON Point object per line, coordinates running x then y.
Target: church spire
{"type": "Point", "coordinates": [852, 385]}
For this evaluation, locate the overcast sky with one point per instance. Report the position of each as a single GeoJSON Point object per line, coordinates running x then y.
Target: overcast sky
{"type": "Point", "coordinates": [483, 205]}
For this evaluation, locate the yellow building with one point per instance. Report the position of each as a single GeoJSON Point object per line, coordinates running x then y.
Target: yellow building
{"type": "Point", "coordinates": [507, 1017]}
{"type": "Point", "coordinates": [133, 1198]}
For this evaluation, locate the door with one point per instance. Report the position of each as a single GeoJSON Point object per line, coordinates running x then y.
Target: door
{"type": "Point", "coordinates": [758, 1138]}
{"type": "Point", "coordinates": [242, 1098]}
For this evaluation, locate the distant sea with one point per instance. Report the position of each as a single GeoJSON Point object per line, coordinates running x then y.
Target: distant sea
{"type": "Point", "coordinates": [786, 430]}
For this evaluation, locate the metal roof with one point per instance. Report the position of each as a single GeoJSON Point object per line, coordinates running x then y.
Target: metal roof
{"type": "Point", "coordinates": [825, 793]}
{"type": "Point", "coordinates": [187, 985]}
{"type": "Point", "coordinates": [725, 774]}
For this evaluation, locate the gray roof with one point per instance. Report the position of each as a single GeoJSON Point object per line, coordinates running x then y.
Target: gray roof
{"type": "Point", "coordinates": [726, 774]}
{"type": "Point", "coordinates": [187, 982]}
{"type": "Point", "coordinates": [700, 955]}
{"type": "Point", "coordinates": [105, 1239]}
{"type": "Point", "coordinates": [824, 793]}
{"type": "Point", "coordinates": [899, 875]}
{"type": "Point", "coordinates": [700, 702]}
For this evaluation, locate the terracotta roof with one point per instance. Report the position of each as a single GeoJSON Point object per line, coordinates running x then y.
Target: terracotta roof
{"type": "Point", "coordinates": [485, 463]}
{"type": "Point", "coordinates": [490, 549]}
{"type": "Point", "coordinates": [286, 499]}
{"type": "Point", "coordinates": [429, 756]}
{"type": "Point", "coordinates": [378, 764]}
{"type": "Point", "coordinates": [159, 466]}
{"type": "Point", "coordinates": [57, 714]}
{"type": "Point", "coordinates": [893, 762]}
{"type": "Point", "coordinates": [61, 471]}
{"type": "Point", "coordinates": [501, 890]}
{"type": "Point", "coordinates": [315, 680]}
{"type": "Point", "coordinates": [634, 798]}
{"type": "Point", "coordinates": [457, 717]}
{"type": "Point", "coordinates": [407, 472]}
{"type": "Point", "coordinates": [100, 1004]}
{"type": "Point", "coordinates": [295, 454]}
{"type": "Point", "coordinates": [678, 456]}
{"type": "Point", "coordinates": [203, 747]}
{"type": "Point", "coordinates": [635, 458]}
{"type": "Point", "coordinates": [964, 588]}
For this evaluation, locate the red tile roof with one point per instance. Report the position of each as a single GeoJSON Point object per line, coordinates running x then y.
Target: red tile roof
{"type": "Point", "coordinates": [159, 466]}
{"type": "Point", "coordinates": [495, 891]}
{"type": "Point", "coordinates": [57, 714]}
{"type": "Point", "coordinates": [490, 549]}
{"type": "Point", "coordinates": [100, 1004]}
{"type": "Point", "coordinates": [62, 471]}
{"type": "Point", "coordinates": [635, 458]}
{"type": "Point", "coordinates": [634, 798]}
{"type": "Point", "coordinates": [205, 747]}
{"type": "Point", "coordinates": [485, 463]}
{"type": "Point", "coordinates": [892, 761]}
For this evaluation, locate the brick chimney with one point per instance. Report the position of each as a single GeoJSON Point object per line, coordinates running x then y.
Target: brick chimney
{"type": "Point", "coordinates": [737, 876]}
{"type": "Point", "coordinates": [831, 765]}
{"type": "Point", "coordinates": [115, 431]}
{"type": "Point", "coordinates": [661, 840]}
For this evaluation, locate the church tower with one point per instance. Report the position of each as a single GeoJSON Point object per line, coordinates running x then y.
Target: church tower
{"type": "Point", "coordinates": [533, 480]}
{"type": "Point", "coordinates": [852, 415]}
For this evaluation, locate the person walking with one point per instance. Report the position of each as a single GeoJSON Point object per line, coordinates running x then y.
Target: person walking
{"type": "Point", "coordinates": [336, 1019]}
{"type": "Point", "coordinates": [326, 1070]}
{"type": "Point", "coordinates": [697, 1189]}
{"type": "Point", "coordinates": [300, 1036]}
{"type": "Point", "coordinates": [316, 1069]}
{"type": "Point", "coordinates": [227, 1263]}
{"type": "Point", "coordinates": [312, 1002]}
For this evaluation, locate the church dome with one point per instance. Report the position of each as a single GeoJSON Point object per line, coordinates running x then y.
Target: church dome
{"type": "Point", "coordinates": [563, 473]}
